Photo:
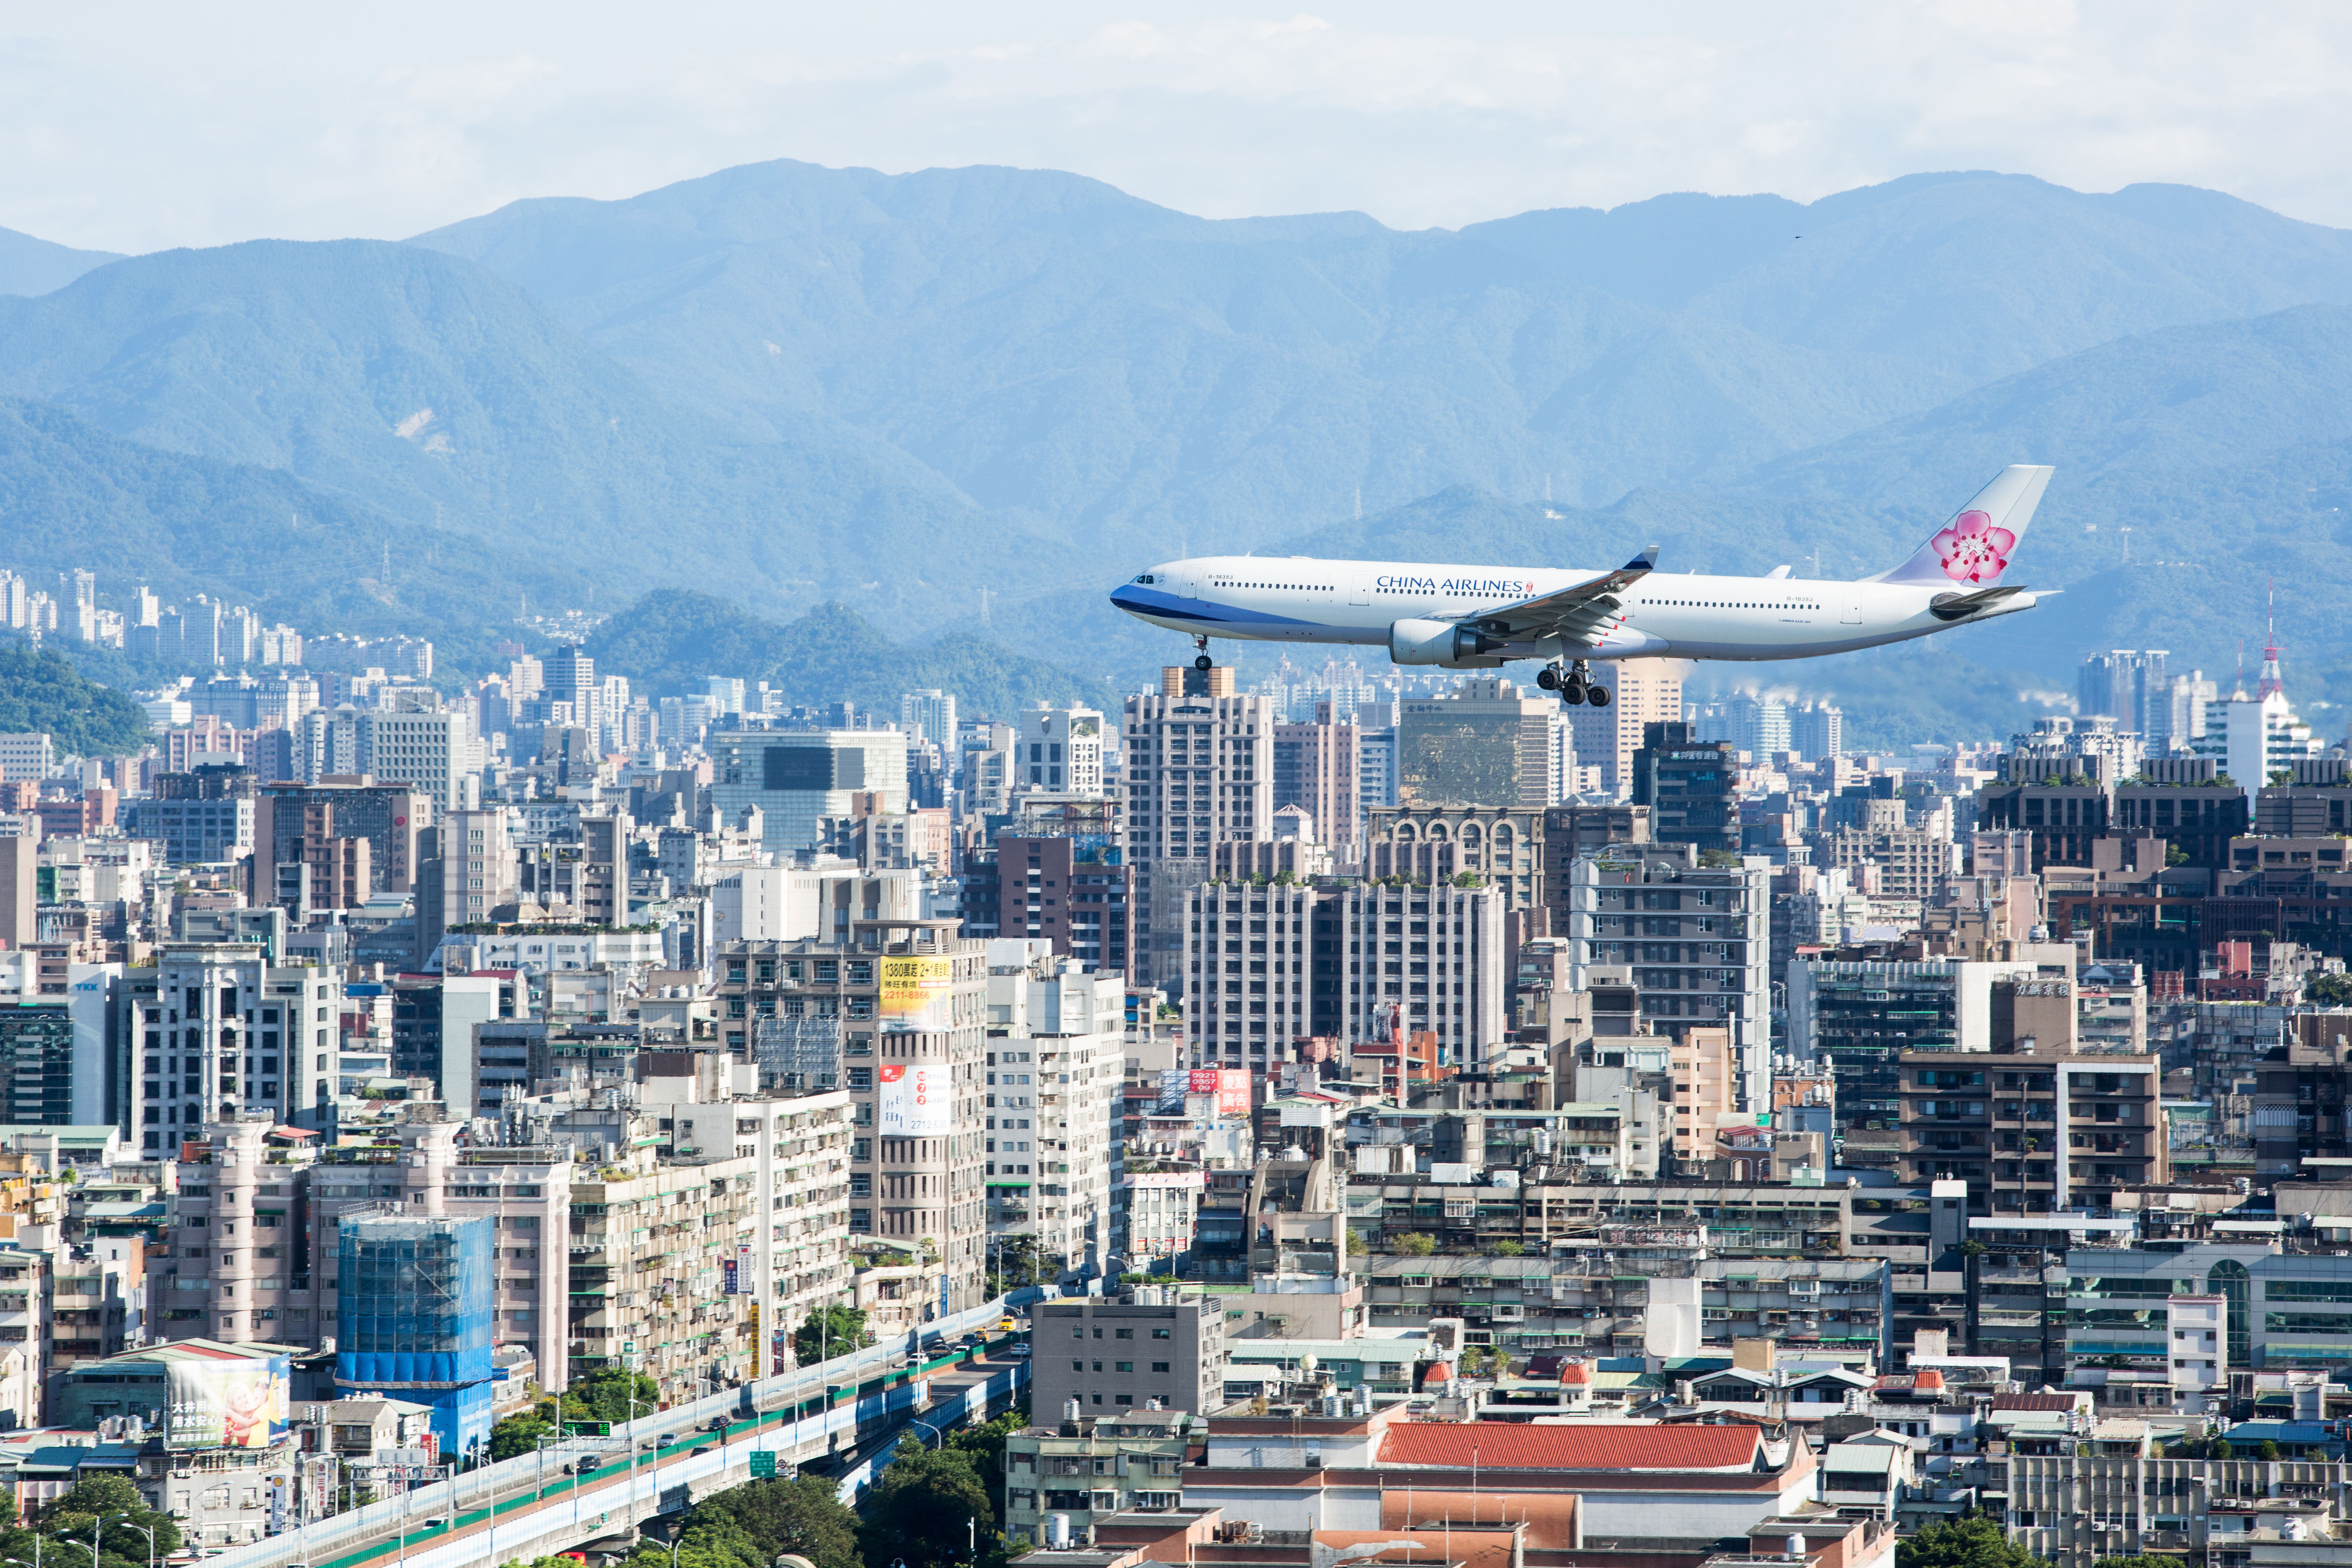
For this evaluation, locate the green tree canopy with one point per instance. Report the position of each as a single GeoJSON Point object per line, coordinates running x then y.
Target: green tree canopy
{"type": "Point", "coordinates": [1413, 1243]}
{"type": "Point", "coordinates": [2328, 990]}
{"type": "Point", "coordinates": [40, 690]}
{"type": "Point", "coordinates": [67, 1520]}
{"type": "Point", "coordinates": [924, 1509]}
{"type": "Point", "coordinates": [605, 1395]}
{"type": "Point", "coordinates": [828, 1332]}
{"type": "Point", "coordinates": [803, 1517]}
{"type": "Point", "coordinates": [1970, 1542]}
{"type": "Point", "coordinates": [520, 1433]}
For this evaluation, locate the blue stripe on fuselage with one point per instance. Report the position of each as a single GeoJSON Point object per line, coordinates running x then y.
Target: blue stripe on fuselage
{"type": "Point", "coordinates": [1145, 600]}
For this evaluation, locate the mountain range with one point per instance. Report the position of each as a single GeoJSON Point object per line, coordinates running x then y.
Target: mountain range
{"type": "Point", "coordinates": [968, 401]}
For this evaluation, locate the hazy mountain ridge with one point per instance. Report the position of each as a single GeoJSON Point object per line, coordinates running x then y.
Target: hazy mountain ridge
{"type": "Point", "coordinates": [899, 391]}
{"type": "Point", "coordinates": [30, 265]}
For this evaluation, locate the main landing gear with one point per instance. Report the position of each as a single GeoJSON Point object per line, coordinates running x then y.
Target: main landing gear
{"type": "Point", "coordinates": [1575, 686]}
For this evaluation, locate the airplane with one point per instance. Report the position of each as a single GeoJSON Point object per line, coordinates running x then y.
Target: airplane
{"type": "Point", "coordinates": [1482, 618]}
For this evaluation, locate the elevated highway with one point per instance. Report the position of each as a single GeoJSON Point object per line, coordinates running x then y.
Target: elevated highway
{"type": "Point", "coordinates": [842, 1418]}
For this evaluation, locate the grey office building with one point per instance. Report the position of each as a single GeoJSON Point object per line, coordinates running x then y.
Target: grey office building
{"type": "Point", "coordinates": [1123, 1353]}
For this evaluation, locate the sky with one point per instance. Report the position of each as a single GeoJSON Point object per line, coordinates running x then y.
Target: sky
{"type": "Point", "coordinates": [138, 126]}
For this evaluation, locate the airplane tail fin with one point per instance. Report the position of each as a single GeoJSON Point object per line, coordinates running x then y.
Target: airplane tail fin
{"type": "Point", "coordinates": [1974, 549]}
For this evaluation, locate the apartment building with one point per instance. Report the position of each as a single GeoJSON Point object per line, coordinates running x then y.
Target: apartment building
{"type": "Point", "coordinates": [2032, 1131]}
{"type": "Point", "coordinates": [1271, 964]}
{"type": "Point", "coordinates": [1092, 1467]}
{"type": "Point", "coordinates": [215, 1032]}
{"type": "Point", "coordinates": [899, 1011]}
{"type": "Point", "coordinates": [798, 1242]}
{"type": "Point", "coordinates": [1499, 847]}
{"type": "Point", "coordinates": [1056, 1059]}
{"type": "Point", "coordinates": [652, 1247]}
{"type": "Point", "coordinates": [1696, 940]}
{"type": "Point", "coordinates": [251, 1241]}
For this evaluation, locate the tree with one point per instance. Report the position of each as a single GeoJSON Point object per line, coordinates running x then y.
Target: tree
{"type": "Point", "coordinates": [923, 1509]}
{"type": "Point", "coordinates": [1413, 1243]}
{"type": "Point", "coordinates": [67, 1518]}
{"type": "Point", "coordinates": [2269, 1451]}
{"type": "Point", "coordinates": [2328, 990]}
{"type": "Point", "coordinates": [803, 1517]}
{"type": "Point", "coordinates": [1968, 1542]}
{"type": "Point", "coordinates": [829, 1331]}
{"type": "Point", "coordinates": [2146, 1560]}
{"type": "Point", "coordinates": [520, 1433]}
{"type": "Point", "coordinates": [1508, 1250]}
{"type": "Point", "coordinates": [986, 1444]}
{"type": "Point", "coordinates": [605, 1396]}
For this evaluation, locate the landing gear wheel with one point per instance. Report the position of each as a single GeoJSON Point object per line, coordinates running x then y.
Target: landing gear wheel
{"type": "Point", "coordinates": [1202, 662]}
{"type": "Point", "coordinates": [1201, 641]}
{"type": "Point", "coordinates": [1548, 677]}
{"type": "Point", "coordinates": [1576, 684]}
{"type": "Point", "coordinates": [1598, 696]}
{"type": "Point", "coordinates": [1572, 693]}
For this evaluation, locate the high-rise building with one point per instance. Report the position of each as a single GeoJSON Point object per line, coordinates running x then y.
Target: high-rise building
{"type": "Point", "coordinates": [1268, 966]}
{"type": "Point", "coordinates": [1690, 786]}
{"type": "Point", "coordinates": [1644, 691]}
{"type": "Point", "coordinates": [930, 714]}
{"type": "Point", "coordinates": [1694, 942]}
{"type": "Point", "coordinates": [904, 1002]}
{"type": "Point", "coordinates": [432, 751]}
{"type": "Point", "coordinates": [2131, 688]}
{"type": "Point", "coordinates": [389, 816]}
{"type": "Point", "coordinates": [1075, 892]}
{"type": "Point", "coordinates": [1318, 767]}
{"type": "Point", "coordinates": [1817, 730]}
{"type": "Point", "coordinates": [1485, 745]}
{"type": "Point", "coordinates": [216, 1031]}
{"type": "Point", "coordinates": [796, 778]}
{"type": "Point", "coordinates": [794, 1259]}
{"type": "Point", "coordinates": [1376, 775]}
{"type": "Point", "coordinates": [1055, 1064]}
{"type": "Point", "coordinates": [1199, 771]}
{"type": "Point", "coordinates": [571, 679]}
{"type": "Point", "coordinates": [470, 870]}
{"type": "Point", "coordinates": [1059, 750]}
{"type": "Point", "coordinates": [1499, 847]}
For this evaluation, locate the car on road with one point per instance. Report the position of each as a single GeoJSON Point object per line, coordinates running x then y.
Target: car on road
{"type": "Point", "coordinates": [1018, 1352]}
{"type": "Point", "coordinates": [434, 1522]}
{"type": "Point", "coordinates": [970, 1340]}
{"type": "Point", "coordinates": [703, 1449]}
{"type": "Point", "coordinates": [580, 1467]}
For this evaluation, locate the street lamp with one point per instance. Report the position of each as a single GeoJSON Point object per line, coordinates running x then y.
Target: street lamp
{"type": "Point", "coordinates": [928, 1428]}
{"type": "Point", "coordinates": [143, 1529]}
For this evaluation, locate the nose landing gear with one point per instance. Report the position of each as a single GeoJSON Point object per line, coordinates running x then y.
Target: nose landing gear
{"type": "Point", "coordinates": [1204, 661]}
{"type": "Point", "coordinates": [1575, 686]}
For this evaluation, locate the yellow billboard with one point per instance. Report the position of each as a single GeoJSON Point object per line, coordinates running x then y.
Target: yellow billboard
{"type": "Point", "coordinates": [915, 993]}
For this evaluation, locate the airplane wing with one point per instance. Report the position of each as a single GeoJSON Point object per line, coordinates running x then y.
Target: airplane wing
{"type": "Point", "coordinates": [1574, 614]}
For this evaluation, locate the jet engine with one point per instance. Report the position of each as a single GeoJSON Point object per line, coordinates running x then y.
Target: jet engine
{"type": "Point", "coordinates": [1452, 645]}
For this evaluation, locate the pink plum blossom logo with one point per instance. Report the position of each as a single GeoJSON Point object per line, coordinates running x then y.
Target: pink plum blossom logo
{"type": "Point", "coordinates": [1972, 549]}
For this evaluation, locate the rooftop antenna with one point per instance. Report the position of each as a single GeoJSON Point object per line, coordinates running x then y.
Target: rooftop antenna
{"type": "Point", "coordinates": [2272, 681]}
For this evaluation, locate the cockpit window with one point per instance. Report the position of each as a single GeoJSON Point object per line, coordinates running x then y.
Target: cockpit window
{"type": "Point", "coordinates": [1147, 577]}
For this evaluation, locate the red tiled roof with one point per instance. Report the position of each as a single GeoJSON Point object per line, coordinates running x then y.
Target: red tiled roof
{"type": "Point", "coordinates": [2034, 1402]}
{"type": "Point", "coordinates": [1575, 1371]}
{"type": "Point", "coordinates": [1927, 1377]}
{"type": "Point", "coordinates": [1505, 1446]}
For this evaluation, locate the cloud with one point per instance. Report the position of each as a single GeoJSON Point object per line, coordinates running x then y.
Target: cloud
{"type": "Point", "coordinates": [309, 123]}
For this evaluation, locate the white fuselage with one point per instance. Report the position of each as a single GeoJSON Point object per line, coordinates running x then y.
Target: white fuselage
{"type": "Point", "coordinates": [1297, 599]}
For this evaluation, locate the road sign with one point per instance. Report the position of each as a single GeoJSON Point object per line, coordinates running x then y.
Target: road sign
{"type": "Point", "coordinates": [587, 1428]}
{"type": "Point", "coordinates": [763, 1464]}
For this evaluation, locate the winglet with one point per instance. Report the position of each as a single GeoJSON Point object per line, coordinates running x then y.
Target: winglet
{"type": "Point", "coordinates": [1647, 561]}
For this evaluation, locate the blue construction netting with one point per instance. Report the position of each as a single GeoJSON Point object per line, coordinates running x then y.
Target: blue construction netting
{"type": "Point", "coordinates": [414, 1314]}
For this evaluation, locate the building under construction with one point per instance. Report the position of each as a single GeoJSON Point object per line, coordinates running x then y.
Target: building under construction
{"type": "Point", "coordinates": [414, 1318]}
